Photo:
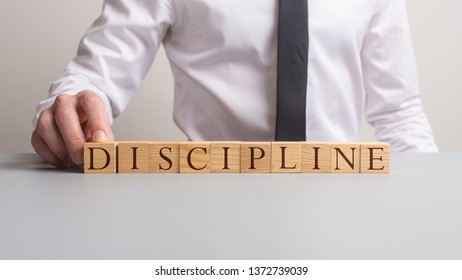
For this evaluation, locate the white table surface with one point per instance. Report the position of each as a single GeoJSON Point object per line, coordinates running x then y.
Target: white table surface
{"type": "Point", "coordinates": [413, 213]}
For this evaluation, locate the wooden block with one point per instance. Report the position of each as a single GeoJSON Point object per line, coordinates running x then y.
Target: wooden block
{"type": "Point", "coordinates": [256, 157]}
{"type": "Point", "coordinates": [99, 158]}
{"type": "Point", "coordinates": [164, 157]}
{"type": "Point", "coordinates": [286, 157]}
{"type": "Point", "coordinates": [316, 157]}
{"type": "Point", "coordinates": [345, 157]}
{"type": "Point", "coordinates": [133, 157]}
{"type": "Point", "coordinates": [225, 157]}
{"type": "Point", "coordinates": [195, 157]}
{"type": "Point", "coordinates": [375, 157]}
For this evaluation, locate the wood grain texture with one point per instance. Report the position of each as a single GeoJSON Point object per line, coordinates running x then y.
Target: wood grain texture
{"type": "Point", "coordinates": [316, 157]}
{"type": "Point", "coordinates": [133, 157]}
{"type": "Point", "coordinates": [195, 157]}
{"type": "Point", "coordinates": [99, 158]}
{"type": "Point", "coordinates": [286, 157]}
{"type": "Point", "coordinates": [255, 157]}
{"type": "Point", "coordinates": [225, 157]}
{"type": "Point", "coordinates": [345, 157]}
{"type": "Point", "coordinates": [164, 157]}
{"type": "Point", "coordinates": [375, 157]}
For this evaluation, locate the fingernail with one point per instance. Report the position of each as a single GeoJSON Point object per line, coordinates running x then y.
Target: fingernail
{"type": "Point", "coordinates": [99, 136]}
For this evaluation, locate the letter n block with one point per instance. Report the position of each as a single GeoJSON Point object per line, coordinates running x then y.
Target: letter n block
{"type": "Point", "coordinates": [164, 157]}
{"type": "Point", "coordinates": [286, 157]}
{"type": "Point", "coordinates": [133, 157]}
{"type": "Point", "coordinates": [225, 157]}
{"type": "Point", "coordinates": [375, 157]}
{"type": "Point", "coordinates": [316, 157]}
{"type": "Point", "coordinates": [99, 158]}
{"type": "Point", "coordinates": [345, 157]}
{"type": "Point", "coordinates": [195, 157]}
{"type": "Point", "coordinates": [256, 157]}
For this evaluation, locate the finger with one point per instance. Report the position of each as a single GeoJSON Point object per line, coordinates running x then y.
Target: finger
{"type": "Point", "coordinates": [68, 123]}
{"type": "Point", "coordinates": [49, 132]}
{"type": "Point", "coordinates": [96, 116]}
{"type": "Point", "coordinates": [44, 152]}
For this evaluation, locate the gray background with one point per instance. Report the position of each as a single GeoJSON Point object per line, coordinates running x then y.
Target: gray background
{"type": "Point", "coordinates": [38, 38]}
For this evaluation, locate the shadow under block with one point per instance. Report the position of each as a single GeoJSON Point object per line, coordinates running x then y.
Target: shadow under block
{"type": "Point", "coordinates": [375, 158]}
{"type": "Point", "coordinates": [316, 157]}
{"type": "Point", "coordinates": [256, 157]}
{"type": "Point", "coordinates": [345, 158]}
{"type": "Point", "coordinates": [286, 157]}
{"type": "Point", "coordinates": [225, 157]}
{"type": "Point", "coordinates": [164, 157]}
{"type": "Point", "coordinates": [195, 157]}
{"type": "Point", "coordinates": [133, 157]}
{"type": "Point", "coordinates": [99, 158]}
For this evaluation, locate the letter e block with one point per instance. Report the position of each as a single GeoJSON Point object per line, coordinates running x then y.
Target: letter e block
{"type": "Point", "coordinates": [164, 157]}
{"type": "Point", "coordinates": [345, 158]}
{"type": "Point", "coordinates": [133, 157]}
{"type": "Point", "coordinates": [316, 157]}
{"type": "Point", "coordinates": [195, 157]}
{"type": "Point", "coordinates": [256, 157]}
{"type": "Point", "coordinates": [375, 157]}
{"type": "Point", "coordinates": [225, 157]}
{"type": "Point", "coordinates": [99, 158]}
{"type": "Point", "coordinates": [286, 157]}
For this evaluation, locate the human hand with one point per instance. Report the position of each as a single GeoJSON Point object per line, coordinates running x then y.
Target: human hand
{"type": "Point", "coordinates": [63, 128]}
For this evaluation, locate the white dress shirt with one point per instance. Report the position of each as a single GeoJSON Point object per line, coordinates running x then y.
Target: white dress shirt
{"type": "Point", "coordinates": [223, 56]}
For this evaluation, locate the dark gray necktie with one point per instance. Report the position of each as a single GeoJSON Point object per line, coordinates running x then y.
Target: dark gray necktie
{"type": "Point", "coordinates": [292, 70]}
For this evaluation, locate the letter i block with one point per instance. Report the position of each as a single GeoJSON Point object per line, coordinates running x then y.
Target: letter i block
{"type": "Point", "coordinates": [345, 157]}
{"type": "Point", "coordinates": [195, 157]}
{"type": "Point", "coordinates": [375, 157]}
{"type": "Point", "coordinates": [256, 157]}
{"type": "Point", "coordinates": [99, 158]}
{"type": "Point", "coordinates": [165, 157]}
{"type": "Point", "coordinates": [133, 157]}
{"type": "Point", "coordinates": [316, 157]}
{"type": "Point", "coordinates": [225, 157]}
{"type": "Point", "coordinates": [286, 157]}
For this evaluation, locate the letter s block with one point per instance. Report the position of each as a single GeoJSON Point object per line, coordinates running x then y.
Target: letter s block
{"type": "Point", "coordinates": [99, 158]}
{"type": "Point", "coordinates": [195, 157]}
{"type": "Point", "coordinates": [165, 157]}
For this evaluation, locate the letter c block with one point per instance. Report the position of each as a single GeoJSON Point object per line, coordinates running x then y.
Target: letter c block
{"type": "Point", "coordinates": [99, 158]}
{"type": "Point", "coordinates": [195, 157]}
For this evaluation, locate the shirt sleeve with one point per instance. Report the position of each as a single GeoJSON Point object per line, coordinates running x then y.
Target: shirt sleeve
{"type": "Point", "coordinates": [393, 104]}
{"type": "Point", "coordinates": [115, 54]}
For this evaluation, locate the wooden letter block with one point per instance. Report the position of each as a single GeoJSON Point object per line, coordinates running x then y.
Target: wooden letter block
{"type": "Point", "coordinates": [133, 157]}
{"type": "Point", "coordinates": [99, 158]}
{"type": "Point", "coordinates": [316, 157]}
{"type": "Point", "coordinates": [286, 157]}
{"type": "Point", "coordinates": [225, 157]}
{"type": "Point", "coordinates": [195, 157]}
{"type": "Point", "coordinates": [164, 157]}
{"type": "Point", "coordinates": [375, 157]}
{"type": "Point", "coordinates": [256, 157]}
{"type": "Point", "coordinates": [345, 157]}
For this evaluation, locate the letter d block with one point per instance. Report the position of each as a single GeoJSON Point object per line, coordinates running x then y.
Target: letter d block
{"type": "Point", "coordinates": [133, 157]}
{"type": "Point", "coordinates": [195, 157]}
{"type": "Point", "coordinates": [286, 157]}
{"type": "Point", "coordinates": [345, 157]}
{"type": "Point", "coordinates": [375, 157]}
{"type": "Point", "coordinates": [99, 158]}
{"type": "Point", "coordinates": [165, 157]}
{"type": "Point", "coordinates": [256, 157]}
